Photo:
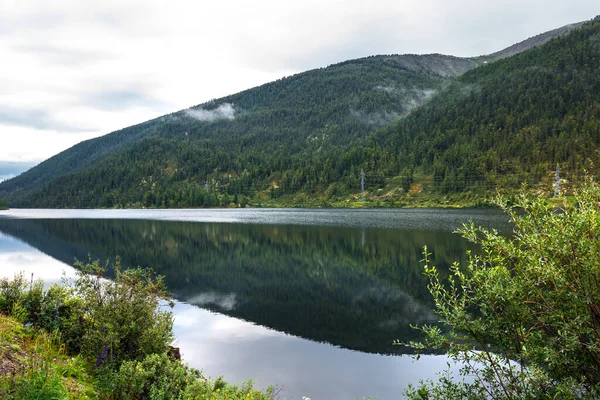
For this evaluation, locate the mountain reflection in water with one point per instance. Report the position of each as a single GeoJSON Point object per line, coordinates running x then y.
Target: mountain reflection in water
{"type": "Point", "coordinates": [357, 288]}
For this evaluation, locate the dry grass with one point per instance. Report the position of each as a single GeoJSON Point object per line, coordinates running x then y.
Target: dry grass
{"type": "Point", "coordinates": [13, 357]}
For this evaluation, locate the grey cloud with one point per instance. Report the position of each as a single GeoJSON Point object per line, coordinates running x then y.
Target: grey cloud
{"type": "Point", "coordinates": [37, 119]}
{"type": "Point", "coordinates": [493, 27]}
{"type": "Point", "coordinates": [47, 20]}
{"type": "Point", "coordinates": [121, 99]}
{"type": "Point", "coordinates": [12, 168]}
{"type": "Point", "coordinates": [34, 21]}
{"type": "Point", "coordinates": [62, 55]}
{"type": "Point", "coordinates": [379, 34]}
{"type": "Point", "coordinates": [411, 98]}
{"type": "Point", "coordinates": [224, 111]}
{"type": "Point", "coordinates": [462, 28]}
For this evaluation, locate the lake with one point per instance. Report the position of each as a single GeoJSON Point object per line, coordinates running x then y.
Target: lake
{"type": "Point", "coordinates": [307, 300]}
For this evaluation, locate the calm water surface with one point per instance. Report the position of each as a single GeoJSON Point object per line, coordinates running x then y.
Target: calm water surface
{"type": "Point", "coordinates": [309, 300]}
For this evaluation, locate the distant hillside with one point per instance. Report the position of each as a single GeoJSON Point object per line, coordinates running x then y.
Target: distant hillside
{"type": "Point", "coordinates": [307, 137]}
{"type": "Point", "coordinates": [249, 136]}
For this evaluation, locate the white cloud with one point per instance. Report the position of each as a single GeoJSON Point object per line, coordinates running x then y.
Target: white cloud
{"type": "Point", "coordinates": [22, 144]}
{"type": "Point", "coordinates": [223, 111]}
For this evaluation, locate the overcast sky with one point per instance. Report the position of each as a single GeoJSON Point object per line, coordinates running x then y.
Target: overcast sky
{"type": "Point", "coordinates": [71, 70]}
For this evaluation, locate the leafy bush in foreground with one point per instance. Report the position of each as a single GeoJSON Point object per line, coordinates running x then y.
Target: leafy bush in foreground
{"type": "Point", "coordinates": [524, 317]}
{"type": "Point", "coordinates": [154, 377]}
{"type": "Point", "coordinates": [218, 389]}
{"type": "Point", "coordinates": [52, 309]}
{"type": "Point", "coordinates": [117, 331]}
{"type": "Point", "coordinates": [123, 317]}
{"type": "Point", "coordinates": [108, 321]}
{"type": "Point", "coordinates": [158, 377]}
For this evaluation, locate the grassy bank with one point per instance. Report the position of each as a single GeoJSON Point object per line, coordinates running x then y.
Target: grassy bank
{"type": "Point", "coordinates": [34, 365]}
{"type": "Point", "coordinates": [93, 338]}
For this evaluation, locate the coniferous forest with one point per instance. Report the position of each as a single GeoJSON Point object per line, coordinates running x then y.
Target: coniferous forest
{"type": "Point", "coordinates": [419, 127]}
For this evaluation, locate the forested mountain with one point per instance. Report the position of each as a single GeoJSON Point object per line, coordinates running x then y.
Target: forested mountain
{"type": "Point", "coordinates": [457, 124]}
{"type": "Point", "coordinates": [238, 141]}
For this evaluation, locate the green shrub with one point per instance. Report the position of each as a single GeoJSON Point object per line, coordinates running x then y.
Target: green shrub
{"type": "Point", "coordinates": [108, 321]}
{"type": "Point", "coordinates": [62, 311]}
{"type": "Point", "coordinates": [524, 317]}
{"type": "Point", "coordinates": [123, 318]}
{"type": "Point", "coordinates": [159, 378]}
{"type": "Point", "coordinates": [156, 377]}
{"type": "Point", "coordinates": [55, 308]}
{"type": "Point", "coordinates": [32, 301]}
{"type": "Point", "coordinates": [221, 390]}
{"type": "Point", "coordinates": [12, 294]}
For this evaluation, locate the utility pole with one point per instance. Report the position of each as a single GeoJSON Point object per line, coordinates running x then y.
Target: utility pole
{"type": "Point", "coordinates": [362, 184]}
{"type": "Point", "coordinates": [557, 184]}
